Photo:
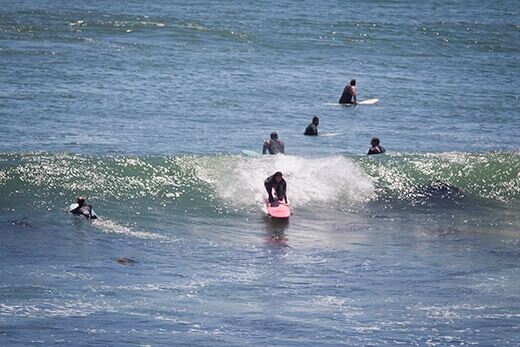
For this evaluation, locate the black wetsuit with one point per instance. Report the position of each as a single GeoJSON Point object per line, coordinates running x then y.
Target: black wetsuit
{"type": "Point", "coordinates": [311, 129]}
{"type": "Point", "coordinates": [279, 188]}
{"type": "Point", "coordinates": [376, 150]}
{"type": "Point", "coordinates": [84, 210]}
{"type": "Point", "coordinates": [346, 97]}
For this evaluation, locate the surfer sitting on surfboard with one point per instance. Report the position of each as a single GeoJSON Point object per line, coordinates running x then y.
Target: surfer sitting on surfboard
{"type": "Point", "coordinates": [277, 184]}
{"type": "Point", "coordinates": [82, 208]}
{"type": "Point", "coordinates": [274, 145]}
{"type": "Point", "coordinates": [349, 94]}
{"type": "Point", "coordinates": [312, 129]}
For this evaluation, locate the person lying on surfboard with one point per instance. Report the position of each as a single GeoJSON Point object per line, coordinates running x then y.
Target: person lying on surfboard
{"type": "Point", "coordinates": [278, 184]}
{"type": "Point", "coordinates": [376, 147]}
{"type": "Point", "coordinates": [349, 95]}
{"type": "Point", "coordinates": [82, 208]}
{"type": "Point", "coordinates": [274, 145]}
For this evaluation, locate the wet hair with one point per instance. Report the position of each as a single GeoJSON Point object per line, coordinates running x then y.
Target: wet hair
{"type": "Point", "coordinates": [278, 173]}
{"type": "Point", "coordinates": [315, 118]}
{"type": "Point", "coordinates": [274, 135]}
{"type": "Point", "coordinates": [353, 82]}
{"type": "Point", "coordinates": [375, 141]}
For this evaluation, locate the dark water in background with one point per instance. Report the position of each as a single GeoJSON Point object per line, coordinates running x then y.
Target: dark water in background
{"type": "Point", "coordinates": [144, 108]}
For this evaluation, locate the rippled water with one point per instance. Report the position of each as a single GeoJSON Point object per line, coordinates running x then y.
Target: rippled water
{"type": "Point", "coordinates": [145, 107]}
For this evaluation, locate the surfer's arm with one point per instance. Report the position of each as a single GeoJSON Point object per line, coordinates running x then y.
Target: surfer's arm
{"type": "Point", "coordinates": [266, 144]}
{"type": "Point", "coordinates": [284, 187]}
{"type": "Point", "coordinates": [89, 211]}
{"type": "Point", "coordinates": [269, 189]}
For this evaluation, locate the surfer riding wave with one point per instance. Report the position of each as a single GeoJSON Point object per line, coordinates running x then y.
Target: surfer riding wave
{"type": "Point", "coordinates": [277, 184]}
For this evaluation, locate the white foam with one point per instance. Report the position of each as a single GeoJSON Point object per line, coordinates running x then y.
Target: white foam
{"type": "Point", "coordinates": [109, 226]}
{"type": "Point", "coordinates": [322, 180]}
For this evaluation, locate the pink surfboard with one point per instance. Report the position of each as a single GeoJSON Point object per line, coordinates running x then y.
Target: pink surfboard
{"type": "Point", "coordinates": [281, 211]}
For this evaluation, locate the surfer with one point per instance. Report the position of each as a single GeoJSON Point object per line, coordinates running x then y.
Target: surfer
{"type": "Point", "coordinates": [274, 145]}
{"type": "Point", "coordinates": [376, 147]}
{"type": "Point", "coordinates": [312, 129]}
{"type": "Point", "coordinates": [349, 94]}
{"type": "Point", "coordinates": [278, 184]}
{"type": "Point", "coordinates": [82, 208]}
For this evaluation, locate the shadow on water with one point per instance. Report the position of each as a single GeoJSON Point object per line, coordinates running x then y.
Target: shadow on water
{"type": "Point", "coordinates": [275, 228]}
{"type": "Point", "coordinates": [433, 195]}
{"type": "Point", "coordinates": [438, 191]}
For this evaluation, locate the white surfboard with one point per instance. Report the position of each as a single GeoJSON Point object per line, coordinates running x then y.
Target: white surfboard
{"type": "Point", "coordinates": [369, 102]}
{"type": "Point", "coordinates": [92, 215]}
{"type": "Point", "coordinates": [364, 102]}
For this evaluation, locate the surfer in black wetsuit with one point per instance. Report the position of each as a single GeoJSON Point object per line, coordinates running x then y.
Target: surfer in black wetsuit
{"type": "Point", "coordinates": [376, 147]}
{"type": "Point", "coordinates": [274, 145]}
{"type": "Point", "coordinates": [278, 184]}
{"type": "Point", "coordinates": [312, 129]}
{"type": "Point", "coordinates": [82, 208]}
{"type": "Point", "coordinates": [349, 95]}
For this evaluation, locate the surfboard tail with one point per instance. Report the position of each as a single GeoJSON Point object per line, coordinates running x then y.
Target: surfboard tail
{"type": "Point", "coordinates": [368, 102]}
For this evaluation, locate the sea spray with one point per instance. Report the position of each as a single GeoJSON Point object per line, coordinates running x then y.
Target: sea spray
{"type": "Point", "coordinates": [309, 181]}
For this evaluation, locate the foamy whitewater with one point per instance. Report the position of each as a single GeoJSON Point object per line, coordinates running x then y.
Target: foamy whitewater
{"type": "Point", "coordinates": [144, 108]}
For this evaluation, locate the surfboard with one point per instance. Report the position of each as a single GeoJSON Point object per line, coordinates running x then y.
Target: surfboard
{"type": "Point", "coordinates": [281, 211]}
{"type": "Point", "coordinates": [368, 102]}
{"type": "Point", "coordinates": [364, 102]}
{"type": "Point", "coordinates": [83, 213]}
{"type": "Point", "coordinates": [251, 154]}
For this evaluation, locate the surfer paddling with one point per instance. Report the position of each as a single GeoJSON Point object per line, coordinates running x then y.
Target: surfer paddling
{"type": "Point", "coordinates": [349, 95]}
{"type": "Point", "coordinates": [81, 208]}
{"type": "Point", "coordinates": [276, 183]}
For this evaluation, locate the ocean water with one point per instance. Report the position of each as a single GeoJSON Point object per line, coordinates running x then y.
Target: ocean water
{"type": "Point", "coordinates": [144, 107]}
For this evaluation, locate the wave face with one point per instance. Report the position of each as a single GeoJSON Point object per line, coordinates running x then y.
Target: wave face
{"type": "Point", "coordinates": [212, 185]}
{"type": "Point", "coordinates": [183, 181]}
{"type": "Point", "coordinates": [491, 176]}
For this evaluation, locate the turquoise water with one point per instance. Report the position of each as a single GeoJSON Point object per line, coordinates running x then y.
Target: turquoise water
{"type": "Point", "coordinates": [144, 108]}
